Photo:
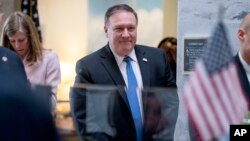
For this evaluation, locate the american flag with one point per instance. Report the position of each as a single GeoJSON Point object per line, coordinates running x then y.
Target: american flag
{"type": "Point", "coordinates": [212, 94]}
{"type": "Point", "coordinates": [29, 7]}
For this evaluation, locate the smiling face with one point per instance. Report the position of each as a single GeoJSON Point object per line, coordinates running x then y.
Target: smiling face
{"type": "Point", "coordinates": [20, 43]}
{"type": "Point", "coordinates": [121, 31]}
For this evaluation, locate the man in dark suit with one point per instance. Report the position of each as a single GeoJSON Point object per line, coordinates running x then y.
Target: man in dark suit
{"type": "Point", "coordinates": [242, 59]}
{"type": "Point", "coordinates": [24, 115]}
{"type": "Point", "coordinates": [107, 67]}
{"type": "Point", "coordinates": [10, 62]}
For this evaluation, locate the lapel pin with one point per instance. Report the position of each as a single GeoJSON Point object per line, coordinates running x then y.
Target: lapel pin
{"type": "Point", "coordinates": [4, 58]}
{"type": "Point", "coordinates": [145, 59]}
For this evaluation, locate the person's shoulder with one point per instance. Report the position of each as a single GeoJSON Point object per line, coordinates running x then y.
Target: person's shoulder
{"type": "Point", "coordinates": [149, 49]}
{"type": "Point", "coordinates": [49, 54]}
{"type": "Point", "coordinates": [7, 52]}
{"type": "Point", "coordinates": [3, 50]}
{"type": "Point", "coordinates": [7, 55]}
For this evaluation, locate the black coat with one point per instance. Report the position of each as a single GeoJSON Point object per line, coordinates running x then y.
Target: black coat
{"type": "Point", "coordinates": [243, 78]}
{"type": "Point", "coordinates": [23, 116]}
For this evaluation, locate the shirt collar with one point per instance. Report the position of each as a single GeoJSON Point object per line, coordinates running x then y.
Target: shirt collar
{"type": "Point", "coordinates": [119, 59]}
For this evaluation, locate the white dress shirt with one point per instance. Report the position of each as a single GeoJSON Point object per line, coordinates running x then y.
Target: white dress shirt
{"type": "Point", "coordinates": [45, 72]}
{"type": "Point", "coordinates": [134, 63]}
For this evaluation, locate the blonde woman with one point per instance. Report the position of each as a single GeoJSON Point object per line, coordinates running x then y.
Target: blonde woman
{"type": "Point", "coordinates": [42, 66]}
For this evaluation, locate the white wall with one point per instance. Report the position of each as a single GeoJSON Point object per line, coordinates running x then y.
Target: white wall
{"type": "Point", "coordinates": [170, 18]}
{"type": "Point", "coordinates": [64, 29]}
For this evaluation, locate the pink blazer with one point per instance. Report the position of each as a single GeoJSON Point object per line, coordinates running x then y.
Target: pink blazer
{"type": "Point", "coordinates": [45, 72]}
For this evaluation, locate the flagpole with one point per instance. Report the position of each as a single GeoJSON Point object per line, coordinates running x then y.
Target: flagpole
{"type": "Point", "coordinates": [221, 13]}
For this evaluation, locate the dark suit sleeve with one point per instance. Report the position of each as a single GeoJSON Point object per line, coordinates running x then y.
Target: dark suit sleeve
{"type": "Point", "coordinates": [78, 105]}
{"type": "Point", "coordinates": [81, 118]}
{"type": "Point", "coordinates": [82, 75]}
{"type": "Point", "coordinates": [78, 101]}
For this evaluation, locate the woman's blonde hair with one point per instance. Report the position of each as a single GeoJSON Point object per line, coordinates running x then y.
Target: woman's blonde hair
{"type": "Point", "coordinates": [20, 22]}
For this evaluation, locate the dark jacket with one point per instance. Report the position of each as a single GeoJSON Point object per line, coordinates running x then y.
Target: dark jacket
{"type": "Point", "coordinates": [101, 68]}
{"type": "Point", "coordinates": [243, 78]}
{"type": "Point", "coordinates": [23, 116]}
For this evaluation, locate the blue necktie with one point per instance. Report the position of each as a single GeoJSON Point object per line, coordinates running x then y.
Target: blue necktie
{"type": "Point", "coordinates": [132, 98]}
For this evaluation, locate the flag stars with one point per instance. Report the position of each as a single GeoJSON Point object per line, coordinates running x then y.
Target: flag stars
{"type": "Point", "coordinates": [213, 89]}
{"type": "Point", "coordinates": [25, 2]}
{"type": "Point", "coordinates": [29, 7]}
{"type": "Point", "coordinates": [39, 28]}
{"type": "Point", "coordinates": [25, 11]}
{"type": "Point", "coordinates": [35, 16]}
{"type": "Point", "coordinates": [218, 50]}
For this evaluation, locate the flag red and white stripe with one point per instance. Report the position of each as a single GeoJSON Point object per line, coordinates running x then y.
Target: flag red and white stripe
{"type": "Point", "coordinates": [215, 102]}
{"type": "Point", "coordinates": [213, 97]}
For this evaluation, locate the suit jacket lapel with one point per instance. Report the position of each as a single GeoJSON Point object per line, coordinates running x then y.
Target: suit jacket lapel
{"type": "Point", "coordinates": [109, 63]}
{"type": "Point", "coordinates": [111, 66]}
{"type": "Point", "coordinates": [143, 64]}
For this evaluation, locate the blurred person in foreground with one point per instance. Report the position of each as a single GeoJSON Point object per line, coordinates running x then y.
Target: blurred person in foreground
{"type": "Point", "coordinates": [24, 116]}
{"type": "Point", "coordinates": [10, 62]}
{"type": "Point", "coordinates": [109, 68]}
{"type": "Point", "coordinates": [169, 44]}
{"type": "Point", "coordinates": [242, 58]}
{"type": "Point", "coordinates": [42, 67]}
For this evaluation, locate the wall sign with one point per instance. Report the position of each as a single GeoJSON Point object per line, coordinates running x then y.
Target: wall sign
{"type": "Point", "coordinates": [193, 48]}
